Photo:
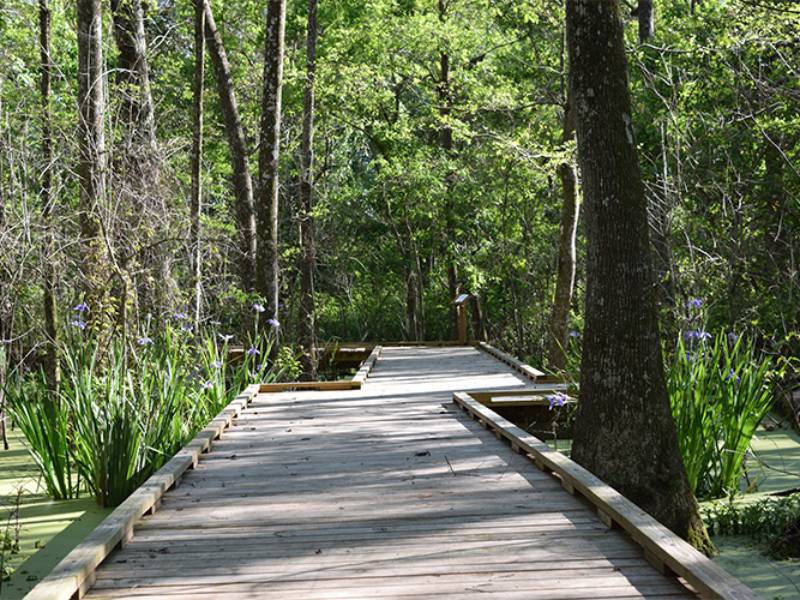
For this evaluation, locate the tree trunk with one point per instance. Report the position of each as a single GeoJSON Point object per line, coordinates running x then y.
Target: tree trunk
{"type": "Point", "coordinates": [92, 165]}
{"type": "Point", "coordinates": [240, 165]}
{"type": "Point", "coordinates": [5, 306]}
{"type": "Point", "coordinates": [565, 277]}
{"type": "Point", "coordinates": [624, 431]}
{"type": "Point", "coordinates": [446, 142]}
{"type": "Point", "coordinates": [646, 17]}
{"type": "Point", "coordinates": [478, 325]}
{"type": "Point", "coordinates": [140, 164]}
{"type": "Point", "coordinates": [267, 273]}
{"type": "Point", "coordinates": [412, 296]}
{"type": "Point", "coordinates": [196, 200]}
{"type": "Point", "coordinates": [51, 365]}
{"type": "Point", "coordinates": [307, 326]}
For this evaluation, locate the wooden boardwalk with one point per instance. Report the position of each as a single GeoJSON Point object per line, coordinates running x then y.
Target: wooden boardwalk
{"type": "Point", "coordinates": [390, 491]}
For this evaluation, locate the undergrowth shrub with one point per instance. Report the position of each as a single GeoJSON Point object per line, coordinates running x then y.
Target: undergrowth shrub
{"type": "Point", "coordinates": [126, 406]}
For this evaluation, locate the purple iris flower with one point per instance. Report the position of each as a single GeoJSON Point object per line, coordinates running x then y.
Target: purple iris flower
{"type": "Point", "coordinates": [696, 334]}
{"type": "Point", "coordinates": [273, 323]}
{"type": "Point", "coordinates": [187, 328]}
{"type": "Point", "coordinates": [78, 323]}
{"type": "Point", "coordinates": [731, 376]}
{"type": "Point", "coordinates": [574, 333]}
{"type": "Point", "coordinates": [180, 316]}
{"type": "Point", "coordinates": [207, 385]}
{"type": "Point", "coordinates": [694, 303]}
{"type": "Point", "coordinates": [557, 399]}
{"type": "Point", "coordinates": [81, 308]}
{"type": "Point", "coordinates": [217, 364]}
{"type": "Point", "coordinates": [144, 341]}
{"type": "Point", "coordinates": [259, 308]}
{"type": "Point", "coordinates": [253, 351]}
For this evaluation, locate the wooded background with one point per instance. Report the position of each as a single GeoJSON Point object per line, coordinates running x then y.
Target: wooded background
{"type": "Point", "coordinates": [443, 162]}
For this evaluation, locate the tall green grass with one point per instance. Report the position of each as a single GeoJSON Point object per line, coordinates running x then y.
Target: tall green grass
{"type": "Point", "coordinates": [45, 425]}
{"type": "Point", "coordinates": [720, 390]}
{"type": "Point", "coordinates": [126, 406]}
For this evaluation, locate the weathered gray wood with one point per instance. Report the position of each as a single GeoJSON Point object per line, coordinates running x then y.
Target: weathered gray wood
{"type": "Point", "coordinates": [665, 550]}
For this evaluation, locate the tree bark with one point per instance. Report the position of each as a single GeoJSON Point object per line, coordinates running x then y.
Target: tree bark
{"type": "Point", "coordinates": [565, 275]}
{"type": "Point", "coordinates": [196, 200]}
{"type": "Point", "coordinates": [646, 17]}
{"type": "Point", "coordinates": [92, 164]}
{"type": "Point", "coordinates": [51, 364]}
{"type": "Point", "coordinates": [624, 431]}
{"type": "Point", "coordinates": [267, 271]}
{"type": "Point", "coordinates": [307, 325]}
{"type": "Point", "coordinates": [140, 162]}
{"type": "Point", "coordinates": [240, 165]}
{"type": "Point", "coordinates": [445, 99]}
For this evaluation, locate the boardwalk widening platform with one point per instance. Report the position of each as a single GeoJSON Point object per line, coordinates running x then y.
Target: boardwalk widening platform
{"type": "Point", "coordinates": [389, 491]}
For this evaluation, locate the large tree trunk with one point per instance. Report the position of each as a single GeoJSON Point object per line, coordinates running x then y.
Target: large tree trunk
{"type": "Point", "coordinates": [307, 325]}
{"type": "Point", "coordinates": [267, 273]}
{"type": "Point", "coordinates": [242, 178]}
{"type": "Point", "coordinates": [51, 364]}
{"type": "Point", "coordinates": [196, 200]}
{"type": "Point", "coordinates": [565, 276]}
{"type": "Point", "coordinates": [624, 431]}
{"type": "Point", "coordinates": [92, 164]}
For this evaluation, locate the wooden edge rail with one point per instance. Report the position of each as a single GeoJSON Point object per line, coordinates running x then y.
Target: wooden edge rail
{"type": "Point", "coordinates": [527, 370]}
{"type": "Point", "coordinates": [366, 367]}
{"type": "Point", "coordinates": [293, 386]}
{"type": "Point", "coordinates": [484, 396]}
{"type": "Point", "coordinates": [74, 575]}
{"type": "Point", "coordinates": [665, 550]}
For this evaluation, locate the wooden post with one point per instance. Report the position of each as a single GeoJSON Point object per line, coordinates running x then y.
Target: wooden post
{"type": "Point", "coordinates": [461, 315]}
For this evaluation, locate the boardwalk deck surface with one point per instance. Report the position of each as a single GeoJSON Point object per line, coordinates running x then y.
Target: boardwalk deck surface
{"type": "Point", "coordinates": [385, 492]}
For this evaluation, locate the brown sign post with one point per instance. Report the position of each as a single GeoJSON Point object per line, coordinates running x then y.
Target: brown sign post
{"type": "Point", "coordinates": [461, 314]}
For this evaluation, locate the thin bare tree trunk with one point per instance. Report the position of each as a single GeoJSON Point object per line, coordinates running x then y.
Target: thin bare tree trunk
{"type": "Point", "coordinates": [307, 324]}
{"type": "Point", "coordinates": [646, 17]}
{"type": "Point", "coordinates": [48, 247]}
{"type": "Point", "coordinates": [565, 276]}
{"type": "Point", "coordinates": [446, 142]}
{"type": "Point", "coordinates": [200, 14]}
{"type": "Point", "coordinates": [242, 178]}
{"type": "Point", "coordinates": [139, 166]}
{"type": "Point", "coordinates": [92, 165]}
{"type": "Point", "coordinates": [624, 431]}
{"type": "Point", "coordinates": [267, 272]}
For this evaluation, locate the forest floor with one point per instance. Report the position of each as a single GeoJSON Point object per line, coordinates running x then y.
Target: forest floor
{"type": "Point", "coordinates": [48, 529]}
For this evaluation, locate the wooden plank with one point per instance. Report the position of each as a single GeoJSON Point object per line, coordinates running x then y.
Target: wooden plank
{"type": "Point", "coordinates": [367, 365]}
{"type": "Point", "coordinates": [68, 577]}
{"type": "Point", "coordinates": [527, 370]}
{"type": "Point", "coordinates": [291, 386]}
{"type": "Point", "coordinates": [660, 544]}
